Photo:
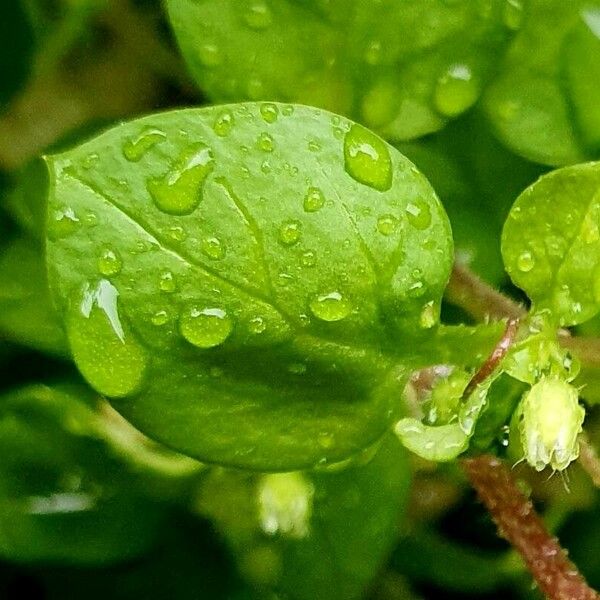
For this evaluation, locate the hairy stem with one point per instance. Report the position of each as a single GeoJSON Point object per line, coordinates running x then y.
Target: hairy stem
{"type": "Point", "coordinates": [517, 521]}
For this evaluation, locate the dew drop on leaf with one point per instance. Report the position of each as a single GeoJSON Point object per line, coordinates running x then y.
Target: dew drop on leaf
{"type": "Point", "coordinates": [109, 262]}
{"type": "Point", "coordinates": [205, 327]}
{"type": "Point", "coordinates": [134, 149]}
{"type": "Point", "coordinates": [179, 192]}
{"type": "Point", "coordinates": [107, 354]}
{"type": "Point", "coordinates": [224, 123]}
{"type": "Point", "coordinates": [265, 142]}
{"type": "Point", "coordinates": [386, 224]}
{"type": "Point", "coordinates": [289, 233]}
{"type": "Point", "coordinates": [373, 53]}
{"type": "Point", "coordinates": [512, 14]}
{"type": "Point", "coordinates": [367, 159]}
{"type": "Point", "coordinates": [419, 214]}
{"type": "Point", "coordinates": [525, 262]}
{"type": "Point", "coordinates": [330, 307]}
{"type": "Point", "coordinates": [62, 223]}
{"type": "Point", "coordinates": [314, 200]}
{"type": "Point", "coordinates": [213, 248]}
{"type": "Point", "coordinates": [167, 282]}
{"type": "Point", "coordinates": [160, 318]}
{"type": "Point", "coordinates": [209, 55]}
{"type": "Point", "coordinates": [309, 258]}
{"type": "Point", "coordinates": [177, 233]}
{"type": "Point", "coordinates": [269, 112]}
{"type": "Point", "coordinates": [456, 90]}
{"type": "Point", "coordinates": [257, 325]}
{"type": "Point", "coordinates": [258, 16]}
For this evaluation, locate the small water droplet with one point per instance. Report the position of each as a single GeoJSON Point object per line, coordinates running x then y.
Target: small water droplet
{"type": "Point", "coordinates": [90, 219]}
{"type": "Point", "coordinates": [62, 223]}
{"type": "Point", "coordinates": [326, 440]}
{"type": "Point", "coordinates": [284, 279]}
{"type": "Point", "coordinates": [309, 258]}
{"type": "Point", "coordinates": [289, 233]}
{"type": "Point", "coordinates": [134, 149]}
{"type": "Point", "coordinates": [109, 262]}
{"type": "Point", "coordinates": [167, 282]}
{"type": "Point", "coordinates": [206, 327]}
{"type": "Point", "coordinates": [331, 306]}
{"type": "Point", "coordinates": [209, 54]}
{"type": "Point", "coordinates": [387, 224]}
{"type": "Point", "coordinates": [213, 248]}
{"type": "Point", "coordinates": [265, 142]}
{"type": "Point", "coordinates": [512, 14]}
{"type": "Point", "coordinates": [428, 316]}
{"type": "Point", "coordinates": [258, 16]}
{"type": "Point", "coordinates": [160, 318]}
{"type": "Point", "coordinates": [525, 262]}
{"type": "Point", "coordinates": [177, 233]}
{"type": "Point", "coordinates": [269, 112]}
{"type": "Point", "coordinates": [314, 146]}
{"type": "Point", "coordinates": [265, 167]}
{"type": "Point", "coordinates": [257, 325]}
{"type": "Point", "coordinates": [179, 192]}
{"type": "Point", "coordinates": [373, 52]}
{"type": "Point", "coordinates": [456, 90]}
{"type": "Point", "coordinates": [419, 214]}
{"type": "Point", "coordinates": [288, 110]}
{"type": "Point", "coordinates": [224, 123]}
{"type": "Point", "coordinates": [367, 159]}
{"type": "Point", "coordinates": [314, 200]}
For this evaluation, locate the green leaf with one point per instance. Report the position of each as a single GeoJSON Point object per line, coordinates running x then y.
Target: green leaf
{"type": "Point", "coordinates": [312, 535]}
{"type": "Point", "coordinates": [551, 243]}
{"type": "Point", "coordinates": [403, 69]}
{"type": "Point", "coordinates": [63, 496]}
{"type": "Point", "coordinates": [526, 103]}
{"type": "Point", "coordinates": [228, 280]}
{"type": "Point", "coordinates": [27, 315]}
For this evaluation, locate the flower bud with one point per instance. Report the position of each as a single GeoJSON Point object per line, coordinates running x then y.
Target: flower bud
{"type": "Point", "coordinates": [550, 421]}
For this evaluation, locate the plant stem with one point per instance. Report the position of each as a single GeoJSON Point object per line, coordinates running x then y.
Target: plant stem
{"type": "Point", "coordinates": [517, 521]}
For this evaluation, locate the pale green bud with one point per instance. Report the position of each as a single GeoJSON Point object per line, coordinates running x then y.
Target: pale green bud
{"type": "Point", "coordinates": [551, 420]}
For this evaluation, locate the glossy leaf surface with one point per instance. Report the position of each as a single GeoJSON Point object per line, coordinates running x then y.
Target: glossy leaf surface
{"type": "Point", "coordinates": [247, 282]}
{"type": "Point", "coordinates": [403, 69]}
{"type": "Point", "coordinates": [551, 243]}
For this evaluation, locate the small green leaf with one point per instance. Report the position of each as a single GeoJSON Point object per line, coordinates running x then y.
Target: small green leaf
{"type": "Point", "coordinates": [526, 103]}
{"type": "Point", "coordinates": [404, 69]}
{"type": "Point", "coordinates": [551, 243]}
{"type": "Point", "coordinates": [247, 326]}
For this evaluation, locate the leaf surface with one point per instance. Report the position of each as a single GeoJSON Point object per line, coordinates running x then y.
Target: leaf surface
{"type": "Point", "coordinates": [248, 283]}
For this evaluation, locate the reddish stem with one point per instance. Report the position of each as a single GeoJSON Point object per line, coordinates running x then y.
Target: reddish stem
{"type": "Point", "coordinates": [517, 521]}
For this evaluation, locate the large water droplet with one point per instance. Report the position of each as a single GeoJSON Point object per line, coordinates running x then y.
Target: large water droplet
{"type": "Point", "coordinates": [258, 15]}
{"type": "Point", "coordinates": [179, 192]}
{"type": "Point", "coordinates": [289, 233]}
{"type": "Point", "coordinates": [367, 159]}
{"type": "Point", "coordinates": [134, 149]}
{"type": "Point", "coordinates": [331, 306]}
{"type": "Point", "coordinates": [167, 282]}
{"type": "Point", "coordinates": [525, 262]}
{"type": "Point", "coordinates": [109, 262]}
{"type": "Point", "coordinates": [456, 90]}
{"type": "Point", "coordinates": [419, 214]}
{"type": "Point", "coordinates": [213, 248]}
{"type": "Point", "coordinates": [107, 354]}
{"type": "Point", "coordinates": [205, 327]}
{"type": "Point", "coordinates": [387, 224]}
{"type": "Point", "coordinates": [314, 200]}
{"type": "Point", "coordinates": [269, 112]}
{"type": "Point", "coordinates": [224, 123]}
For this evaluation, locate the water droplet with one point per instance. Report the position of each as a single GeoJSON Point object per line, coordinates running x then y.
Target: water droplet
{"type": "Point", "coordinates": [167, 282]}
{"type": "Point", "coordinates": [284, 279]}
{"type": "Point", "coordinates": [386, 224]}
{"type": "Point", "coordinates": [258, 16]}
{"type": "Point", "coordinates": [134, 149]}
{"type": "Point", "coordinates": [257, 325]}
{"type": "Point", "coordinates": [209, 55]}
{"type": "Point", "coordinates": [269, 112]}
{"type": "Point", "coordinates": [525, 262]}
{"type": "Point", "coordinates": [314, 200]}
{"type": "Point", "coordinates": [107, 354]}
{"type": "Point", "coordinates": [456, 90]}
{"type": "Point", "coordinates": [206, 327]}
{"type": "Point", "coordinates": [265, 142]}
{"type": "Point", "coordinates": [367, 159]}
{"type": "Point", "coordinates": [213, 248]}
{"type": "Point", "coordinates": [314, 146]}
{"type": "Point", "coordinates": [419, 214]}
{"type": "Point", "coordinates": [326, 440]}
{"type": "Point", "coordinates": [289, 233]}
{"type": "Point", "coordinates": [288, 110]}
{"type": "Point", "coordinates": [160, 318]}
{"type": "Point", "coordinates": [224, 123]}
{"type": "Point", "coordinates": [373, 52]}
{"type": "Point", "coordinates": [513, 14]}
{"type": "Point", "coordinates": [265, 167]}
{"type": "Point", "coordinates": [179, 192]}
{"type": "Point", "coordinates": [62, 223]}
{"type": "Point", "coordinates": [109, 262]}
{"type": "Point", "coordinates": [309, 258]}
{"type": "Point", "coordinates": [90, 219]}
{"type": "Point", "coordinates": [177, 233]}
{"type": "Point", "coordinates": [428, 316]}
{"type": "Point", "coordinates": [330, 307]}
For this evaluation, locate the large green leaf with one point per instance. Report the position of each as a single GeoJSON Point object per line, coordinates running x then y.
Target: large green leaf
{"type": "Point", "coordinates": [312, 536]}
{"type": "Point", "coordinates": [247, 282]}
{"type": "Point", "coordinates": [64, 495]}
{"type": "Point", "coordinates": [551, 243]}
{"type": "Point", "coordinates": [528, 104]}
{"type": "Point", "coordinates": [403, 68]}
